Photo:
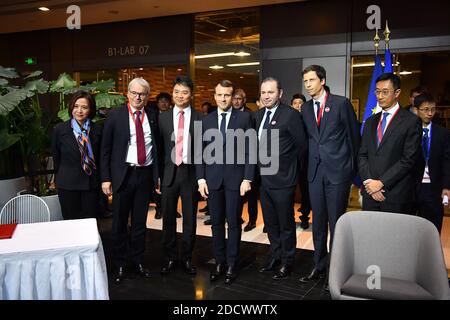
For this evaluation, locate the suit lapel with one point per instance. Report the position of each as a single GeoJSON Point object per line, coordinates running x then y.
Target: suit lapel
{"type": "Point", "coordinates": [69, 132]}
{"type": "Point", "coordinates": [258, 118]}
{"type": "Point", "coordinates": [326, 114]}
{"type": "Point", "coordinates": [373, 129]}
{"type": "Point", "coordinates": [233, 120]}
{"type": "Point", "coordinates": [393, 125]}
{"type": "Point", "coordinates": [310, 119]}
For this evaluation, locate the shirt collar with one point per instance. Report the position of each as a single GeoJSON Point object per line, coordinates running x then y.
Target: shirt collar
{"type": "Point", "coordinates": [220, 111]}
{"type": "Point", "coordinates": [393, 110]}
{"type": "Point", "coordinates": [322, 97]}
{"type": "Point", "coordinates": [177, 109]}
{"type": "Point", "coordinates": [428, 126]}
{"type": "Point", "coordinates": [273, 109]}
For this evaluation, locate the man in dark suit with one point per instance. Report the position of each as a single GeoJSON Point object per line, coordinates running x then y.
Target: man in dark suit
{"type": "Point", "coordinates": [224, 180]}
{"type": "Point", "coordinates": [281, 139]}
{"type": "Point", "coordinates": [334, 139]}
{"type": "Point", "coordinates": [128, 173]}
{"type": "Point", "coordinates": [239, 100]}
{"type": "Point", "coordinates": [176, 126]}
{"type": "Point", "coordinates": [435, 179]}
{"type": "Point", "coordinates": [390, 153]}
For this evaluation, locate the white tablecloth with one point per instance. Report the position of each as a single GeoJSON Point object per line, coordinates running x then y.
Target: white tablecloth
{"type": "Point", "coordinates": [60, 260]}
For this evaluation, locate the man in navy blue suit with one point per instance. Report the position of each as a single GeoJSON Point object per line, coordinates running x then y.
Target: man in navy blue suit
{"type": "Point", "coordinates": [225, 181]}
{"type": "Point", "coordinates": [334, 139]}
{"type": "Point", "coordinates": [435, 178]}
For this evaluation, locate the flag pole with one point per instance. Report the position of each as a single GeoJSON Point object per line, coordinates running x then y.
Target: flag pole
{"type": "Point", "coordinates": [386, 33]}
{"type": "Point", "coordinates": [376, 41]}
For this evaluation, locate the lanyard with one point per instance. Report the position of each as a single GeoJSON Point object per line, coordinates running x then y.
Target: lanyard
{"type": "Point", "coordinates": [389, 122]}
{"type": "Point", "coordinates": [132, 115]}
{"type": "Point", "coordinates": [319, 116]}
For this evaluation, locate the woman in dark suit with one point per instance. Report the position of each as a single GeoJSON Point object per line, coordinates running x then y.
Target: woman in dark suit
{"type": "Point", "coordinates": [75, 147]}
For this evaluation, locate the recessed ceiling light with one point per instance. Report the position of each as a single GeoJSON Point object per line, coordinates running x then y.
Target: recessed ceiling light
{"type": "Point", "coordinates": [44, 9]}
{"type": "Point", "coordinates": [241, 77]}
{"type": "Point", "coordinates": [141, 69]}
{"type": "Point", "coordinates": [243, 64]}
{"type": "Point", "coordinates": [222, 30]}
{"type": "Point", "coordinates": [404, 73]}
{"type": "Point", "coordinates": [209, 74]}
{"type": "Point", "coordinates": [216, 67]}
{"type": "Point", "coordinates": [179, 69]}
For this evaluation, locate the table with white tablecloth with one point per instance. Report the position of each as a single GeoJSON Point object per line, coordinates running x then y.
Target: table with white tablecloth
{"type": "Point", "coordinates": [58, 260]}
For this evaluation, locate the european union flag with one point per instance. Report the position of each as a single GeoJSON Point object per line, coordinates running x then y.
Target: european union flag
{"type": "Point", "coordinates": [371, 104]}
{"type": "Point", "coordinates": [388, 61]}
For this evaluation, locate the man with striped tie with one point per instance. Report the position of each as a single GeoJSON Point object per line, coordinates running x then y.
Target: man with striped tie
{"type": "Point", "coordinates": [390, 153]}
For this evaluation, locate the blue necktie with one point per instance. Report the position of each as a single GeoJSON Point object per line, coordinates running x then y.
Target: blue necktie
{"type": "Point", "coordinates": [383, 122]}
{"type": "Point", "coordinates": [267, 121]}
{"type": "Point", "coordinates": [425, 142]}
{"type": "Point", "coordinates": [223, 126]}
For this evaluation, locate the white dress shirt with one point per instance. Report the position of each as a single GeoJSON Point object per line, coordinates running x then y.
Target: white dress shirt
{"type": "Point", "coordinates": [187, 122]}
{"type": "Point", "coordinates": [132, 145]}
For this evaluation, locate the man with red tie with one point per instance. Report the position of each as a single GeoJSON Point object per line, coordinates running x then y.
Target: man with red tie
{"type": "Point", "coordinates": [390, 153]}
{"type": "Point", "coordinates": [176, 127]}
{"type": "Point", "coordinates": [129, 170]}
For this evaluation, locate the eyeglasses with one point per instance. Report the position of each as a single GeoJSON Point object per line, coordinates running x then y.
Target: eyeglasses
{"type": "Point", "coordinates": [136, 94]}
{"type": "Point", "coordinates": [384, 93]}
{"type": "Point", "coordinates": [428, 110]}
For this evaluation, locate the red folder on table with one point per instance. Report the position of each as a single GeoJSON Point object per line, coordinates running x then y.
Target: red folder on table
{"type": "Point", "coordinates": [7, 230]}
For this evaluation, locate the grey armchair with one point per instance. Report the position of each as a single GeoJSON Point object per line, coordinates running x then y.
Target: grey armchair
{"type": "Point", "coordinates": [380, 255]}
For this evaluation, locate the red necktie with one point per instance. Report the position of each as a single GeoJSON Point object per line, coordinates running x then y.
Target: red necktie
{"type": "Point", "coordinates": [179, 145]}
{"type": "Point", "coordinates": [140, 141]}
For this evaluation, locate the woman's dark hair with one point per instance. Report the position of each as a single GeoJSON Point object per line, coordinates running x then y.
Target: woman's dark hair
{"type": "Point", "coordinates": [91, 101]}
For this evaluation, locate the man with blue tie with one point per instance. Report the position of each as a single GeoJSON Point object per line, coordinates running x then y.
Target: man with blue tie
{"type": "Point", "coordinates": [282, 138]}
{"type": "Point", "coordinates": [390, 153]}
{"type": "Point", "coordinates": [224, 180]}
{"type": "Point", "coordinates": [435, 179]}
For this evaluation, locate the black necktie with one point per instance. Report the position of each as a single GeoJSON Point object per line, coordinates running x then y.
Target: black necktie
{"type": "Point", "coordinates": [223, 126]}
{"type": "Point", "coordinates": [267, 121]}
{"type": "Point", "coordinates": [317, 103]}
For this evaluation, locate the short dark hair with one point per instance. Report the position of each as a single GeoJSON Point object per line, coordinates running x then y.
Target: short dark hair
{"type": "Point", "coordinates": [392, 77]}
{"type": "Point", "coordinates": [418, 89]}
{"type": "Point", "coordinates": [163, 95]}
{"type": "Point", "coordinates": [184, 81]}
{"type": "Point", "coordinates": [210, 106]}
{"type": "Point", "coordinates": [227, 84]}
{"type": "Point", "coordinates": [91, 101]}
{"type": "Point", "coordinates": [298, 96]}
{"type": "Point", "coordinates": [319, 70]}
{"type": "Point", "coordinates": [422, 98]}
{"type": "Point", "coordinates": [267, 79]}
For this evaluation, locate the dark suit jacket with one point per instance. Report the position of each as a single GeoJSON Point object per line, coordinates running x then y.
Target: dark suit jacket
{"type": "Point", "coordinates": [439, 161]}
{"type": "Point", "coordinates": [67, 158]}
{"type": "Point", "coordinates": [336, 143]}
{"type": "Point", "coordinates": [116, 136]}
{"type": "Point", "coordinates": [292, 141]}
{"type": "Point", "coordinates": [228, 175]}
{"type": "Point", "coordinates": [166, 129]}
{"type": "Point", "coordinates": [396, 160]}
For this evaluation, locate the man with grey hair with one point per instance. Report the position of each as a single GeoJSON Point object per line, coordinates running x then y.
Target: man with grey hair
{"type": "Point", "coordinates": [128, 173]}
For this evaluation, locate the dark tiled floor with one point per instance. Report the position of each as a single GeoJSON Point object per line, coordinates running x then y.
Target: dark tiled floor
{"type": "Point", "coordinates": [250, 284]}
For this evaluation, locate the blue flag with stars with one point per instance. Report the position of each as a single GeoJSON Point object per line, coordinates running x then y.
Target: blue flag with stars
{"type": "Point", "coordinates": [371, 104]}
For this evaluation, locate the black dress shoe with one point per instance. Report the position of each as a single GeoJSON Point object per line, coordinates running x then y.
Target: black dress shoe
{"type": "Point", "coordinates": [218, 271]}
{"type": "Point", "coordinates": [119, 275]}
{"type": "Point", "coordinates": [179, 215]}
{"type": "Point", "coordinates": [271, 266]}
{"type": "Point", "coordinates": [142, 271]}
{"type": "Point", "coordinates": [189, 268]}
{"type": "Point", "coordinates": [313, 276]}
{"type": "Point", "coordinates": [230, 275]}
{"type": "Point", "coordinates": [168, 267]}
{"type": "Point", "coordinates": [205, 209]}
{"type": "Point", "coordinates": [207, 222]}
{"type": "Point", "coordinates": [283, 273]}
{"type": "Point", "coordinates": [250, 226]}
{"type": "Point", "coordinates": [158, 214]}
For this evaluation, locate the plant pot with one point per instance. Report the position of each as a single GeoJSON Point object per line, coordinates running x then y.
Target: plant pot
{"type": "Point", "coordinates": [9, 189]}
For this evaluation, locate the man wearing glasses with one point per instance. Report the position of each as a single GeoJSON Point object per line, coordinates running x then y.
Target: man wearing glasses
{"type": "Point", "coordinates": [129, 171]}
{"type": "Point", "coordinates": [390, 153]}
{"type": "Point", "coordinates": [435, 179]}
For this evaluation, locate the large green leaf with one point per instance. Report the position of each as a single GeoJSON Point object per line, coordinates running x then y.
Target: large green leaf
{"type": "Point", "coordinates": [40, 86]}
{"type": "Point", "coordinates": [63, 83]}
{"type": "Point", "coordinates": [7, 140]}
{"type": "Point", "coordinates": [107, 100]}
{"type": "Point", "coordinates": [11, 100]}
{"type": "Point", "coordinates": [103, 85]}
{"type": "Point", "coordinates": [63, 115]}
{"type": "Point", "coordinates": [9, 73]}
{"type": "Point", "coordinates": [34, 74]}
